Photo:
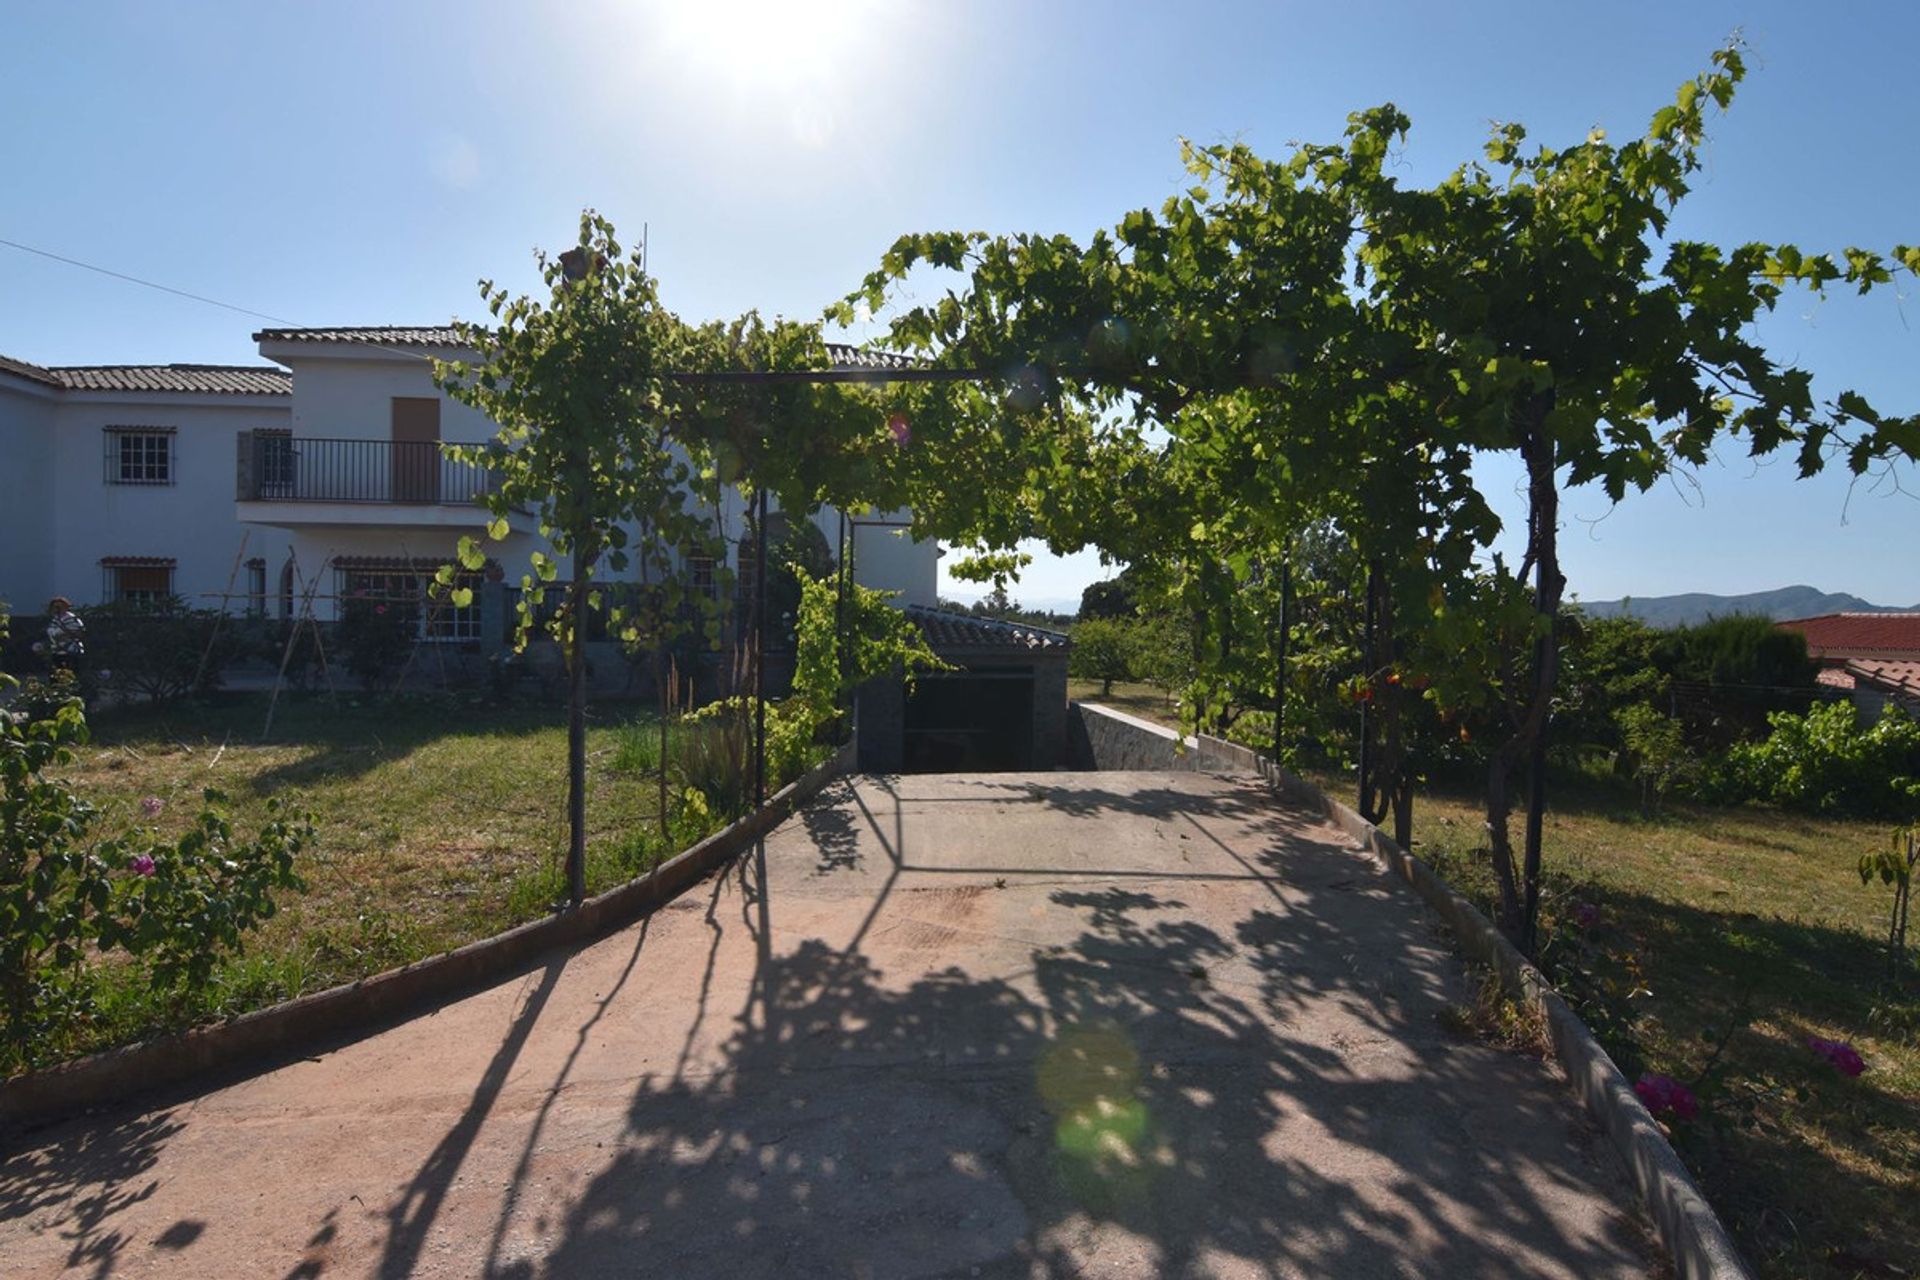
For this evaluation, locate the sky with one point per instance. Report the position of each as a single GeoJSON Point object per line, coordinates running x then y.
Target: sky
{"type": "Point", "coordinates": [361, 163]}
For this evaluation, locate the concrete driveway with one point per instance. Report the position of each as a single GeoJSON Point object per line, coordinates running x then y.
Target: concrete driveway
{"type": "Point", "coordinates": [1095, 1024]}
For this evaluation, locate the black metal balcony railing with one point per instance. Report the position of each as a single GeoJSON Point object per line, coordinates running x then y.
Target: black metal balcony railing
{"type": "Point", "coordinates": [280, 468]}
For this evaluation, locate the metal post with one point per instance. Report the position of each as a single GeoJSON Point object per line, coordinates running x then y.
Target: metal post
{"type": "Point", "coordinates": [840, 610]}
{"type": "Point", "coordinates": [760, 650]}
{"type": "Point", "coordinates": [1366, 700]}
{"type": "Point", "coordinates": [1280, 664]}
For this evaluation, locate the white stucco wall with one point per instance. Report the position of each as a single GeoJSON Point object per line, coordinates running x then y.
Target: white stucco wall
{"type": "Point", "coordinates": [191, 520]}
{"type": "Point", "coordinates": [27, 419]}
{"type": "Point", "coordinates": [59, 517]}
{"type": "Point", "coordinates": [347, 392]}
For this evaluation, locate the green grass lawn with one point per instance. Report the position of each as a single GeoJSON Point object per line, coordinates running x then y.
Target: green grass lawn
{"type": "Point", "coordinates": [1147, 701]}
{"type": "Point", "coordinates": [1746, 918]}
{"type": "Point", "coordinates": [439, 822]}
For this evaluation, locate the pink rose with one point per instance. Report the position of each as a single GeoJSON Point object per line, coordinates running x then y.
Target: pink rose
{"type": "Point", "coordinates": [1663, 1095]}
{"type": "Point", "coordinates": [897, 425]}
{"type": "Point", "coordinates": [1844, 1057]}
{"type": "Point", "coordinates": [152, 806]}
{"type": "Point", "coordinates": [142, 864]}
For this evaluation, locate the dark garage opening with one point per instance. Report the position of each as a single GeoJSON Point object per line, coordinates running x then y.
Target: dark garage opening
{"type": "Point", "coordinates": [975, 721]}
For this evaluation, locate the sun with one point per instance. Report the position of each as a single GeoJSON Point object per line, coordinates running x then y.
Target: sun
{"type": "Point", "coordinates": [769, 46]}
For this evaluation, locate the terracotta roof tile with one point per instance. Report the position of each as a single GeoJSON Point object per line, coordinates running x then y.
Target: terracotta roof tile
{"type": "Point", "coordinates": [1902, 678]}
{"type": "Point", "coordinates": [949, 631]}
{"type": "Point", "coordinates": [1841, 635]}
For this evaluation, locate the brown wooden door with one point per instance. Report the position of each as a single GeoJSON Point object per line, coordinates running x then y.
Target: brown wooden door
{"type": "Point", "coordinates": [416, 449]}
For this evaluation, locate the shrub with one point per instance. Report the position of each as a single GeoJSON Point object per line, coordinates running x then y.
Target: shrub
{"type": "Point", "coordinates": [375, 638]}
{"type": "Point", "coordinates": [176, 905]}
{"type": "Point", "coordinates": [159, 652]}
{"type": "Point", "coordinates": [1825, 762]}
{"type": "Point", "coordinates": [1655, 750]}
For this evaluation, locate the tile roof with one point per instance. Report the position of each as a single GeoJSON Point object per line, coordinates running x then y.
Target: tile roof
{"type": "Point", "coordinates": [1899, 678]}
{"type": "Point", "coordinates": [379, 335]}
{"type": "Point", "coordinates": [203, 379]}
{"type": "Point", "coordinates": [1841, 635]}
{"type": "Point", "coordinates": [947, 631]}
{"type": "Point", "coordinates": [31, 372]}
{"type": "Point", "coordinates": [845, 358]}
{"type": "Point", "coordinates": [193, 379]}
{"type": "Point", "coordinates": [849, 358]}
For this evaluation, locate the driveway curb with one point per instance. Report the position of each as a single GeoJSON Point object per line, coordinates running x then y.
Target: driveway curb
{"type": "Point", "coordinates": [1687, 1226]}
{"type": "Point", "coordinates": [266, 1037]}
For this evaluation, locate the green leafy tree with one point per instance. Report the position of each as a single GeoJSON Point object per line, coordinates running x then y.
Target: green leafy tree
{"type": "Point", "coordinates": [1102, 650]}
{"type": "Point", "coordinates": [1893, 867]}
{"type": "Point", "coordinates": [1315, 339]}
{"type": "Point", "coordinates": [590, 440]}
{"type": "Point", "coordinates": [1657, 750]}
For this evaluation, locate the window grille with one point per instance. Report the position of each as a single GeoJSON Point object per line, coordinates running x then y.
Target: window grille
{"type": "Point", "coordinates": [139, 455]}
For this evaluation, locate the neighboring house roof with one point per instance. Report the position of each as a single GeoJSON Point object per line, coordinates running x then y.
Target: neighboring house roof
{"type": "Point", "coordinates": [197, 379]}
{"type": "Point", "coordinates": [950, 631]}
{"type": "Point", "coordinates": [387, 335]}
{"type": "Point", "coordinates": [1840, 635]}
{"type": "Point", "coordinates": [1834, 678]}
{"type": "Point", "coordinates": [1900, 679]}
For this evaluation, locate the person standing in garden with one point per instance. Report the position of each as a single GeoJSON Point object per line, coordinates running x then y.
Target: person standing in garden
{"type": "Point", "coordinates": [65, 644]}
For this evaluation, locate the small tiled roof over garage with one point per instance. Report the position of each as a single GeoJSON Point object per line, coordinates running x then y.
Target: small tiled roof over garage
{"type": "Point", "coordinates": [1841, 635]}
{"type": "Point", "coordinates": [184, 379]}
{"type": "Point", "coordinates": [845, 358]}
{"type": "Point", "coordinates": [949, 632]}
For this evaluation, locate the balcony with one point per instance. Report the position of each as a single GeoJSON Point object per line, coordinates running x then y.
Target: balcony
{"type": "Point", "coordinates": [290, 480]}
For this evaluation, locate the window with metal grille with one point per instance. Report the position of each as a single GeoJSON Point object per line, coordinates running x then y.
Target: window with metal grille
{"type": "Point", "coordinates": [703, 576]}
{"type": "Point", "coordinates": [275, 459]}
{"type": "Point", "coordinates": [139, 455]}
{"type": "Point", "coordinates": [146, 585]}
{"type": "Point", "coordinates": [429, 612]}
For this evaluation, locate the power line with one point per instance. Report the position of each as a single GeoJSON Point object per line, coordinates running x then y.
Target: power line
{"type": "Point", "coordinates": [149, 284]}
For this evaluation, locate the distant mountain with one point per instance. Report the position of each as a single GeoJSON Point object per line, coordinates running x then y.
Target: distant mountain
{"type": "Point", "coordinates": [1698, 606]}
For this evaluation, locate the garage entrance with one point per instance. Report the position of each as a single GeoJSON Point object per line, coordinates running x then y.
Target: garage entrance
{"type": "Point", "coordinates": [974, 721]}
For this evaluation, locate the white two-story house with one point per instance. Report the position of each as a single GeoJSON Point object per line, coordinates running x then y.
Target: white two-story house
{"type": "Point", "coordinates": [283, 489]}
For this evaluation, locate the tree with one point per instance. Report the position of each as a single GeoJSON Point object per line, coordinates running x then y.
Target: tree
{"type": "Point", "coordinates": [1111, 597]}
{"type": "Point", "coordinates": [1315, 339]}
{"type": "Point", "coordinates": [1102, 650]}
{"type": "Point", "coordinates": [589, 441]}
